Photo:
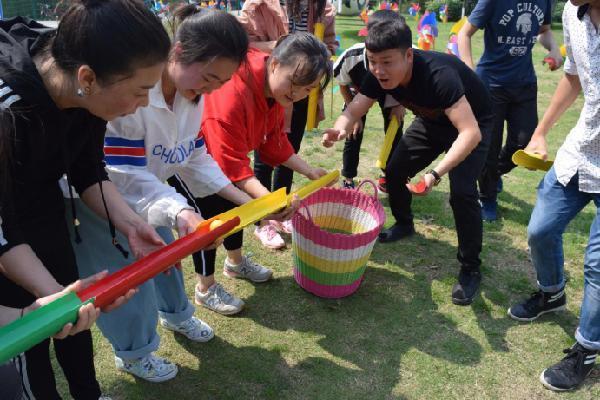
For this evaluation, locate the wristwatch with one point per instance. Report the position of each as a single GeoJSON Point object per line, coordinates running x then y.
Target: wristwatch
{"type": "Point", "coordinates": [437, 177]}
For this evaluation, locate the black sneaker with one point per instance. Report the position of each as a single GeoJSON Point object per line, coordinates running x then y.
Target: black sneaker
{"type": "Point", "coordinates": [348, 183]}
{"type": "Point", "coordinates": [396, 232]}
{"type": "Point", "coordinates": [539, 303]}
{"type": "Point", "coordinates": [465, 290]}
{"type": "Point", "coordinates": [571, 371]}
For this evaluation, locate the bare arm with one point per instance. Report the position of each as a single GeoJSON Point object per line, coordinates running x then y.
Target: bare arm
{"type": "Point", "coordinates": [464, 44]}
{"type": "Point", "coordinates": [546, 39]}
{"type": "Point", "coordinates": [142, 238]}
{"type": "Point", "coordinates": [22, 266]}
{"type": "Point", "coordinates": [346, 93]}
{"type": "Point", "coordinates": [462, 117]}
{"type": "Point", "coordinates": [253, 187]}
{"type": "Point", "coordinates": [235, 195]}
{"type": "Point", "coordinates": [565, 95]}
{"type": "Point", "coordinates": [358, 107]}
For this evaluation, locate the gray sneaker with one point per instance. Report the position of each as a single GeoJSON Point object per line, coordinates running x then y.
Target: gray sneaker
{"type": "Point", "coordinates": [247, 269]}
{"type": "Point", "coordinates": [150, 368]}
{"type": "Point", "coordinates": [194, 329]}
{"type": "Point", "coordinates": [219, 300]}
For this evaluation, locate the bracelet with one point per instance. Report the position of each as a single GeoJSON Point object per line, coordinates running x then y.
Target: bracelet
{"type": "Point", "coordinates": [436, 176]}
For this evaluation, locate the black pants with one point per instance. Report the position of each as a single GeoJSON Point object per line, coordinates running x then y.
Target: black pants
{"type": "Point", "coordinates": [11, 385]}
{"type": "Point", "coordinates": [421, 144]}
{"type": "Point", "coordinates": [518, 107]}
{"type": "Point", "coordinates": [351, 154]}
{"type": "Point", "coordinates": [49, 239]}
{"type": "Point", "coordinates": [283, 176]}
{"type": "Point", "coordinates": [204, 261]}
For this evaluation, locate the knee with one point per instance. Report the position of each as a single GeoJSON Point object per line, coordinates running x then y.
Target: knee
{"type": "Point", "coordinates": [540, 233]}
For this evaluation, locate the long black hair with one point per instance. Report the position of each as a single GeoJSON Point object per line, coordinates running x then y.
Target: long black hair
{"type": "Point", "coordinates": [113, 37]}
{"type": "Point", "coordinates": [308, 54]}
{"type": "Point", "coordinates": [294, 11]}
{"type": "Point", "coordinates": [206, 34]}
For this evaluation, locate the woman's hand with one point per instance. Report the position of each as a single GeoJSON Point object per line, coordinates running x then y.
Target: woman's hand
{"type": "Point", "coordinates": [316, 173]}
{"type": "Point", "coordinates": [143, 239]}
{"type": "Point", "coordinates": [88, 314]}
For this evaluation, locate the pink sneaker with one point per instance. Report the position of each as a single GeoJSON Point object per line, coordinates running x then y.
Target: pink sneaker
{"type": "Point", "coordinates": [283, 227]}
{"type": "Point", "coordinates": [269, 237]}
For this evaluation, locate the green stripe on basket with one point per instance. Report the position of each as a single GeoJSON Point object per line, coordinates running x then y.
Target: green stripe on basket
{"type": "Point", "coordinates": [327, 278]}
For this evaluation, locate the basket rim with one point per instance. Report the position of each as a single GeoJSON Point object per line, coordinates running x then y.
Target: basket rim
{"type": "Point", "coordinates": [362, 237]}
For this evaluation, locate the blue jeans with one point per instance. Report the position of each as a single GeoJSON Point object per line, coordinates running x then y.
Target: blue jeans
{"type": "Point", "coordinates": [556, 206]}
{"type": "Point", "coordinates": [131, 328]}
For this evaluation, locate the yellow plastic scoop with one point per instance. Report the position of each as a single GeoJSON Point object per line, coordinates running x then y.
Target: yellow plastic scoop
{"type": "Point", "coordinates": [313, 186]}
{"type": "Point", "coordinates": [257, 209]}
{"type": "Point", "coordinates": [386, 148]}
{"type": "Point", "coordinates": [531, 161]}
{"type": "Point", "coordinates": [250, 212]}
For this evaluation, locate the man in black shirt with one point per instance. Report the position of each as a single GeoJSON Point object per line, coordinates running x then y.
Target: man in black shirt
{"type": "Point", "coordinates": [452, 114]}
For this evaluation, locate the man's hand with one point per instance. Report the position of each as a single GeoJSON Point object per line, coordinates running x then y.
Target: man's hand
{"type": "Point", "coordinates": [538, 145]}
{"type": "Point", "coordinates": [333, 135]}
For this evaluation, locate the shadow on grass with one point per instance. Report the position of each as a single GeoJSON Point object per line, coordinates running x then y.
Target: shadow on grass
{"type": "Point", "coordinates": [435, 259]}
{"type": "Point", "coordinates": [373, 329]}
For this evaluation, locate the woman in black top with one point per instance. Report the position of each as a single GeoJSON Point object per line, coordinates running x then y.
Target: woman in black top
{"type": "Point", "coordinates": [57, 90]}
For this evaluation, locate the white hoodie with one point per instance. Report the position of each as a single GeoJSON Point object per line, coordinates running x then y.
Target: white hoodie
{"type": "Point", "coordinates": [144, 149]}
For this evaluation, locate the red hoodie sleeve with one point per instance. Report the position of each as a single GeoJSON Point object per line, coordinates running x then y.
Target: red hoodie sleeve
{"type": "Point", "coordinates": [277, 149]}
{"type": "Point", "coordinates": [228, 145]}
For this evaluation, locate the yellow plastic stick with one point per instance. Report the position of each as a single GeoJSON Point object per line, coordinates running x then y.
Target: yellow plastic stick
{"type": "Point", "coordinates": [531, 161]}
{"type": "Point", "coordinates": [257, 209]}
{"type": "Point", "coordinates": [313, 97]}
{"type": "Point", "coordinates": [313, 186]}
{"type": "Point", "coordinates": [386, 148]}
{"type": "Point", "coordinates": [458, 26]}
{"type": "Point", "coordinates": [252, 211]}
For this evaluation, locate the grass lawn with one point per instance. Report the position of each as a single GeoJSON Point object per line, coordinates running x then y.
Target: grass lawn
{"type": "Point", "coordinates": [399, 336]}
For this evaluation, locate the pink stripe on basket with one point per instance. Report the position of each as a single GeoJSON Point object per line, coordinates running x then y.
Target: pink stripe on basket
{"type": "Point", "coordinates": [326, 291]}
{"type": "Point", "coordinates": [310, 231]}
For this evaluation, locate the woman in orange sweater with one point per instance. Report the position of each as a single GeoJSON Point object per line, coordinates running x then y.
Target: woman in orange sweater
{"type": "Point", "coordinates": [266, 21]}
{"type": "Point", "coordinates": [247, 114]}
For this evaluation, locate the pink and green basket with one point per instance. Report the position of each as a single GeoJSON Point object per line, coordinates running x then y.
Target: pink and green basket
{"type": "Point", "coordinates": [333, 234]}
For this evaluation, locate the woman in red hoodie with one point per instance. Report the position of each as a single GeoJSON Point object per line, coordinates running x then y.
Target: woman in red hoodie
{"type": "Point", "coordinates": [247, 114]}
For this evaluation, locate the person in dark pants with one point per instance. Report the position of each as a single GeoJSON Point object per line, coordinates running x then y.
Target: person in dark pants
{"type": "Point", "coordinates": [350, 69]}
{"type": "Point", "coordinates": [57, 90]}
{"type": "Point", "coordinates": [453, 115]}
{"type": "Point", "coordinates": [511, 30]}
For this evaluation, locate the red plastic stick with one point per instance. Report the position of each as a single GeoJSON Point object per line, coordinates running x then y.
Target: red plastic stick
{"type": "Point", "coordinates": [107, 290]}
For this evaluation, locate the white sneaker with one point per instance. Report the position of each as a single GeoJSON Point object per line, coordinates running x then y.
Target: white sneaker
{"type": "Point", "coordinates": [247, 269]}
{"type": "Point", "coordinates": [150, 368]}
{"type": "Point", "coordinates": [218, 300]}
{"type": "Point", "coordinates": [283, 226]}
{"type": "Point", "coordinates": [269, 237]}
{"type": "Point", "coordinates": [194, 329]}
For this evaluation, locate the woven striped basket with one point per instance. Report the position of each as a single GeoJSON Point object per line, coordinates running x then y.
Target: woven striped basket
{"type": "Point", "coordinates": [333, 233]}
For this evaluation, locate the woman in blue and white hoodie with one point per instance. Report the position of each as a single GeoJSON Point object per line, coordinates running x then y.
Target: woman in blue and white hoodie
{"type": "Point", "coordinates": [145, 149]}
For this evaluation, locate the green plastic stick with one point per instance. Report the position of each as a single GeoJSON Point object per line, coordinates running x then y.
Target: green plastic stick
{"type": "Point", "coordinates": [37, 325]}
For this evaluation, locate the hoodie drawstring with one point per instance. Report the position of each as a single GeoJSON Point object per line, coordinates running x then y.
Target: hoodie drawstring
{"type": "Point", "coordinates": [111, 226]}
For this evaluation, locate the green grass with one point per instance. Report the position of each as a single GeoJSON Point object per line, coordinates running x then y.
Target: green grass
{"type": "Point", "coordinates": [398, 336]}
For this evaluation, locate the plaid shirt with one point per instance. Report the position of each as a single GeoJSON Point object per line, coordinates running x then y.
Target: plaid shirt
{"type": "Point", "coordinates": [580, 153]}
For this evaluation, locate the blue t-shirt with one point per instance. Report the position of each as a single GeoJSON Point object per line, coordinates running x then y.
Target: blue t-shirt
{"type": "Point", "coordinates": [511, 30]}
